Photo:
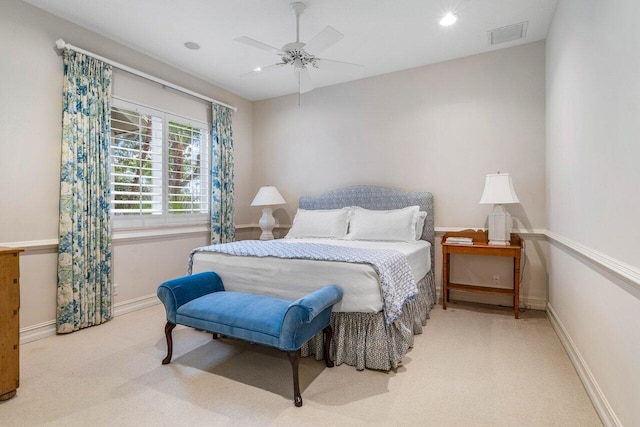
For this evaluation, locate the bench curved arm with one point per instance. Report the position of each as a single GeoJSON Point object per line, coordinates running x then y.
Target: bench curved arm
{"type": "Point", "coordinates": [313, 304]}
{"type": "Point", "coordinates": [304, 315]}
{"type": "Point", "coordinates": [176, 292]}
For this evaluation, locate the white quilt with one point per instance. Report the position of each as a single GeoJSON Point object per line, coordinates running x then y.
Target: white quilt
{"type": "Point", "coordinates": [293, 278]}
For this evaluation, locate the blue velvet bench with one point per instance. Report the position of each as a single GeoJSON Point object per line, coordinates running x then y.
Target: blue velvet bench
{"type": "Point", "coordinates": [201, 302]}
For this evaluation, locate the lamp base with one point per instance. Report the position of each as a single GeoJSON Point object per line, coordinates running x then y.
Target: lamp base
{"type": "Point", "coordinates": [500, 227]}
{"type": "Point", "coordinates": [267, 223]}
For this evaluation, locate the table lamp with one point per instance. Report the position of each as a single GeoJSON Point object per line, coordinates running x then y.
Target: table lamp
{"type": "Point", "coordinates": [498, 190]}
{"type": "Point", "coordinates": [267, 196]}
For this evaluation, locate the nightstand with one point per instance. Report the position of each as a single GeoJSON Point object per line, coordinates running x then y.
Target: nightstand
{"type": "Point", "coordinates": [481, 246]}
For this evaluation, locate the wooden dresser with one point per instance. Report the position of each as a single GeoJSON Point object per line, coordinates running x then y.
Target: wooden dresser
{"type": "Point", "coordinates": [9, 322]}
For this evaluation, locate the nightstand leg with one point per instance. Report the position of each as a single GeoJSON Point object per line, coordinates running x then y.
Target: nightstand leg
{"type": "Point", "coordinates": [445, 279]}
{"type": "Point", "coordinates": [516, 286]}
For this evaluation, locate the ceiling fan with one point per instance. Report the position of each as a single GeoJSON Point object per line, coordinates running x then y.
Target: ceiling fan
{"type": "Point", "coordinates": [302, 56]}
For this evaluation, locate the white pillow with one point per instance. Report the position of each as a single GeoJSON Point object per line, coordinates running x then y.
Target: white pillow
{"type": "Point", "coordinates": [421, 216]}
{"type": "Point", "coordinates": [331, 223]}
{"type": "Point", "coordinates": [391, 225]}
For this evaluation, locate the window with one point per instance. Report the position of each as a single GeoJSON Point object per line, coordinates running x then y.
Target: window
{"type": "Point", "coordinates": [159, 167]}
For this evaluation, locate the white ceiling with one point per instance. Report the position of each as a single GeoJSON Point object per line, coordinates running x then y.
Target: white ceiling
{"type": "Point", "coordinates": [382, 35]}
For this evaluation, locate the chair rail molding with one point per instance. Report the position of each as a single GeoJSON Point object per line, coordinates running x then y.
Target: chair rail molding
{"type": "Point", "coordinates": [523, 232]}
{"type": "Point", "coordinates": [626, 271]}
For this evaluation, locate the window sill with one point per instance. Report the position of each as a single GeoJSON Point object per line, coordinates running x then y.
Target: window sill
{"type": "Point", "coordinates": [139, 234]}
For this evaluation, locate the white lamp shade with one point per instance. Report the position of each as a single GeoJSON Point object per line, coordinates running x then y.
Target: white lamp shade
{"type": "Point", "coordinates": [268, 196]}
{"type": "Point", "coordinates": [498, 189]}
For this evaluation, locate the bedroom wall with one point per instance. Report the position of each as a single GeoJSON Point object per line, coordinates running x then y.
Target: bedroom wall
{"type": "Point", "coordinates": [593, 178]}
{"type": "Point", "coordinates": [439, 128]}
{"type": "Point", "coordinates": [30, 133]}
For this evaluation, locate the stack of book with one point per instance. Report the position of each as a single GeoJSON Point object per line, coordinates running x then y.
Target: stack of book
{"type": "Point", "coordinates": [460, 240]}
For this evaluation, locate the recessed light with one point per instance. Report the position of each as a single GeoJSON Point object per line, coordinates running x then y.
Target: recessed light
{"type": "Point", "coordinates": [448, 19]}
{"type": "Point", "coordinates": [192, 45]}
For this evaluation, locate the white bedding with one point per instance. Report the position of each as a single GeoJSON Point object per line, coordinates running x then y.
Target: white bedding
{"type": "Point", "coordinates": [293, 278]}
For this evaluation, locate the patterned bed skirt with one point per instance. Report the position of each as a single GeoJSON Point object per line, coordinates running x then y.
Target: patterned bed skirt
{"type": "Point", "coordinates": [364, 340]}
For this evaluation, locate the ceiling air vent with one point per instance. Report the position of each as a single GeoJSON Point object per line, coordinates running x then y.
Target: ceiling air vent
{"type": "Point", "coordinates": [508, 33]}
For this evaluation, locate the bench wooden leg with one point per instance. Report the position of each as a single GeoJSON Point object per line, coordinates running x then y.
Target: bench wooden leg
{"type": "Point", "coordinates": [168, 328]}
{"type": "Point", "coordinates": [328, 334]}
{"type": "Point", "coordinates": [294, 358]}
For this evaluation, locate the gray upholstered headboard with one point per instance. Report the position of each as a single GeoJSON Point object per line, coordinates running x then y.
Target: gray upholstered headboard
{"type": "Point", "coordinates": [377, 198]}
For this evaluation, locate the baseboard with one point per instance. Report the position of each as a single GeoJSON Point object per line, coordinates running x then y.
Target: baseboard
{"type": "Point", "coordinates": [530, 303]}
{"type": "Point", "coordinates": [47, 329]}
{"type": "Point", "coordinates": [135, 304]}
{"type": "Point", "coordinates": [37, 332]}
{"type": "Point", "coordinates": [600, 402]}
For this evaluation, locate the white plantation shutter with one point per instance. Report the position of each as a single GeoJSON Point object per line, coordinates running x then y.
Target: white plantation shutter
{"type": "Point", "coordinates": [187, 166]}
{"type": "Point", "coordinates": [136, 163]}
{"type": "Point", "coordinates": [159, 167]}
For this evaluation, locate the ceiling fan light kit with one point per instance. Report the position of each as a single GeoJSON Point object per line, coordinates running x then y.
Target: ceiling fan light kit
{"type": "Point", "coordinates": [302, 56]}
{"type": "Point", "coordinates": [448, 19]}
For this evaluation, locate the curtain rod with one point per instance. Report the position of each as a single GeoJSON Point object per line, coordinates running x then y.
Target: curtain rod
{"type": "Point", "coordinates": [60, 44]}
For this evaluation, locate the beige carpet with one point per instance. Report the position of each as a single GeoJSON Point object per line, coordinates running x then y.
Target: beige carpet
{"type": "Point", "coordinates": [472, 366]}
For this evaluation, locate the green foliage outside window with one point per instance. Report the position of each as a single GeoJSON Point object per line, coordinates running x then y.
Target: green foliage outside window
{"type": "Point", "coordinates": [138, 160]}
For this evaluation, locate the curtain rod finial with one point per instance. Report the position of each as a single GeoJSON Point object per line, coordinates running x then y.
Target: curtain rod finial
{"type": "Point", "coordinates": [60, 44]}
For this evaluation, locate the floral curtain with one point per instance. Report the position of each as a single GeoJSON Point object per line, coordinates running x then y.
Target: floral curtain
{"type": "Point", "coordinates": [222, 227]}
{"type": "Point", "coordinates": [84, 254]}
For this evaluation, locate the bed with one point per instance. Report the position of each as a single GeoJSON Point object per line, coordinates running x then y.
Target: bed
{"type": "Point", "coordinates": [364, 336]}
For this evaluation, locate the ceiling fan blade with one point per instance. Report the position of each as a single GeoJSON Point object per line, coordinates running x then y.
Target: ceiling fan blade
{"type": "Point", "coordinates": [263, 71]}
{"type": "Point", "coordinates": [304, 80]}
{"type": "Point", "coordinates": [354, 70]}
{"type": "Point", "coordinates": [260, 45]}
{"type": "Point", "coordinates": [323, 40]}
